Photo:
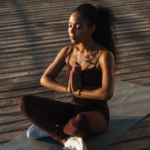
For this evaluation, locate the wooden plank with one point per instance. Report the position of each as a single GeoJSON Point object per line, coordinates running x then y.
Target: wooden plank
{"type": "Point", "coordinates": [17, 29]}
{"type": "Point", "coordinates": [13, 116]}
{"type": "Point", "coordinates": [45, 23]}
{"type": "Point", "coordinates": [34, 47]}
{"type": "Point", "coordinates": [30, 84]}
{"type": "Point", "coordinates": [133, 131]}
{"type": "Point", "coordinates": [64, 13]}
{"type": "Point", "coordinates": [51, 38]}
{"type": "Point", "coordinates": [22, 92]}
{"type": "Point", "coordinates": [24, 79]}
{"type": "Point", "coordinates": [129, 76]}
{"type": "Point", "coordinates": [133, 64]}
{"type": "Point", "coordinates": [50, 55]}
{"type": "Point", "coordinates": [141, 144]}
{"type": "Point", "coordinates": [140, 81]}
{"type": "Point", "coordinates": [51, 12]}
{"type": "Point", "coordinates": [36, 65]}
{"type": "Point", "coordinates": [10, 88]}
{"type": "Point", "coordinates": [37, 70]}
{"type": "Point", "coordinates": [133, 138]}
{"type": "Point", "coordinates": [21, 37]}
{"type": "Point", "coordinates": [16, 109]}
{"type": "Point", "coordinates": [52, 48]}
{"type": "Point", "coordinates": [52, 94]}
{"type": "Point", "coordinates": [132, 69]}
{"type": "Point", "coordinates": [143, 123]}
{"type": "Point", "coordinates": [134, 134]}
{"type": "Point", "coordinates": [133, 47]}
{"type": "Point", "coordinates": [53, 6]}
{"type": "Point", "coordinates": [15, 126]}
{"type": "Point", "coordinates": [56, 15]}
{"type": "Point", "coordinates": [134, 57]}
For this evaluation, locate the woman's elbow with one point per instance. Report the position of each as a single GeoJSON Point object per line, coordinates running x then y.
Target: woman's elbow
{"type": "Point", "coordinates": [107, 96]}
{"type": "Point", "coordinates": [42, 80]}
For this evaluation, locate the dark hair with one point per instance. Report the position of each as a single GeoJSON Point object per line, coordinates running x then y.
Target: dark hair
{"type": "Point", "coordinates": [104, 20]}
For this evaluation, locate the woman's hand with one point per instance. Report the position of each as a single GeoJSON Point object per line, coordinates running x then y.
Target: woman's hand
{"type": "Point", "coordinates": [69, 85]}
{"type": "Point", "coordinates": [75, 79]}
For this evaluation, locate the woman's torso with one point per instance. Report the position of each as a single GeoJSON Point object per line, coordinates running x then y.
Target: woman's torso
{"type": "Point", "coordinates": [91, 76]}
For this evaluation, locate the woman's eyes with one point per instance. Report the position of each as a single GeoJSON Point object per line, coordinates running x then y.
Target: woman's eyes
{"type": "Point", "coordinates": [77, 27]}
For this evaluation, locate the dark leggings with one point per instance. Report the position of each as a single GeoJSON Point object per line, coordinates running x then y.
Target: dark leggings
{"type": "Point", "coordinates": [73, 120]}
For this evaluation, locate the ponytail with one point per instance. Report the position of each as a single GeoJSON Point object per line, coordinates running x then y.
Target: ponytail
{"type": "Point", "coordinates": [104, 20]}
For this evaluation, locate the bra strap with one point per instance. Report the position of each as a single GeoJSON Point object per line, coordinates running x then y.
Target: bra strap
{"type": "Point", "coordinates": [98, 57]}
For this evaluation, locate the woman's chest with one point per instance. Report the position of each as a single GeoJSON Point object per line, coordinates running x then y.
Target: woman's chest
{"type": "Point", "coordinates": [90, 77]}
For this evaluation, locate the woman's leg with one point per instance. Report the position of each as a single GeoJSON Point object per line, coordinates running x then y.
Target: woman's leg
{"type": "Point", "coordinates": [92, 122]}
{"type": "Point", "coordinates": [45, 113]}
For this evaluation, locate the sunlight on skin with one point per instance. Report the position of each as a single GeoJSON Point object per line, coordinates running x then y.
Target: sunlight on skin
{"type": "Point", "coordinates": [80, 34]}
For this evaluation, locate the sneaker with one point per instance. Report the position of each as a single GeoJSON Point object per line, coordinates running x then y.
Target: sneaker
{"type": "Point", "coordinates": [74, 143]}
{"type": "Point", "coordinates": [81, 142]}
{"type": "Point", "coordinates": [35, 133]}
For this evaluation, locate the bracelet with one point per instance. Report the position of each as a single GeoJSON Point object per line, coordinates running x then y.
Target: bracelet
{"type": "Point", "coordinates": [79, 91]}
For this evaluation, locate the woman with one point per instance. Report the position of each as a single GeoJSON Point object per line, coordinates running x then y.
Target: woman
{"type": "Point", "coordinates": [90, 71]}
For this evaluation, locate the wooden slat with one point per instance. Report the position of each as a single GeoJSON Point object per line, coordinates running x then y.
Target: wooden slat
{"type": "Point", "coordinates": [125, 77]}
{"type": "Point", "coordinates": [141, 144]}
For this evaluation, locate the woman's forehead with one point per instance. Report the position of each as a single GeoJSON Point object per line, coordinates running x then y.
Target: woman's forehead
{"type": "Point", "coordinates": [76, 18]}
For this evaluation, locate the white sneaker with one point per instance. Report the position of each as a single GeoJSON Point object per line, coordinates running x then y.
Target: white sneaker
{"type": "Point", "coordinates": [74, 143]}
{"type": "Point", "coordinates": [35, 133]}
{"type": "Point", "coordinates": [81, 143]}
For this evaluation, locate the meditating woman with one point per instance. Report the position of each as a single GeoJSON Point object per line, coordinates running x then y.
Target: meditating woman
{"type": "Point", "coordinates": [90, 72]}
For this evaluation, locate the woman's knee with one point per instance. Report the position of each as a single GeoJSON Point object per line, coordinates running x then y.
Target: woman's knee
{"type": "Point", "coordinates": [25, 102]}
{"type": "Point", "coordinates": [82, 122]}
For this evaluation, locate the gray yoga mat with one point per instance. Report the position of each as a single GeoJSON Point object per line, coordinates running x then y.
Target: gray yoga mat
{"type": "Point", "coordinates": [128, 106]}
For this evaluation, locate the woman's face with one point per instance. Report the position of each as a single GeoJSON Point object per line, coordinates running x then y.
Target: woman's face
{"type": "Point", "coordinates": [77, 28]}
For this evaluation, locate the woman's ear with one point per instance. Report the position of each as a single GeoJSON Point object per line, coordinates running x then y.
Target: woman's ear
{"type": "Point", "coordinates": [93, 28]}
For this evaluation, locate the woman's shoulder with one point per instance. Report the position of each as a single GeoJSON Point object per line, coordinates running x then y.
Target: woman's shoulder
{"type": "Point", "coordinates": [106, 54]}
{"type": "Point", "coordinates": [103, 51]}
{"type": "Point", "coordinates": [106, 58]}
{"type": "Point", "coordinates": [67, 50]}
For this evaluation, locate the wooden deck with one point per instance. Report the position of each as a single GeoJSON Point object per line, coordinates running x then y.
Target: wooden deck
{"type": "Point", "coordinates": [32, 33]}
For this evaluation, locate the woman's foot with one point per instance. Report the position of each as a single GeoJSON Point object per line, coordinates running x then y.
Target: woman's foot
{"type": "Point", "coordinates": [74, 143]}
{"type": "Point", "coordinates": [35, 133]}
{"type": "Point", "coordinates": [81, 142]}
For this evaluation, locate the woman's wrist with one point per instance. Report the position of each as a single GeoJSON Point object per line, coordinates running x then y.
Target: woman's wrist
{"type": "Point", "coordinates": [78, 92]}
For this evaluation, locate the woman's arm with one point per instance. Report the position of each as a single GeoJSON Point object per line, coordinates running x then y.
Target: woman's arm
{"type": "Point", "coordinates": [48, 78]}
{"type": "Point", "coordinates": [105, 92]}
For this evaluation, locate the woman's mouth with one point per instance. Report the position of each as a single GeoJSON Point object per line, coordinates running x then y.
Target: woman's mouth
{"type": "Point", "coordinates": [72, 38]}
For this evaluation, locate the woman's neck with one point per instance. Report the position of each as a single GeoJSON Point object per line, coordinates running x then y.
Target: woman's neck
{"type": "Point", "coordinates": [87, 46]}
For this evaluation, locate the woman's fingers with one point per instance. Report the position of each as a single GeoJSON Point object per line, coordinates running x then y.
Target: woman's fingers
{"type": "Point", "coordinates": [71, 81]}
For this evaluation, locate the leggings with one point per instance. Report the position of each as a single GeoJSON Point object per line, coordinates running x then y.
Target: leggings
{"type": "Point", "coordinates": [73, 120]}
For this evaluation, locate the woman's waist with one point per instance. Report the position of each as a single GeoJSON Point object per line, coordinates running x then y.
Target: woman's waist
{"type": "Point", "coordinates": [89, 102]}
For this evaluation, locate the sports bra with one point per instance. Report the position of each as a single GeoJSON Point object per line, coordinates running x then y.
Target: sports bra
{"type": "Point", "coordinates": [90, 77]}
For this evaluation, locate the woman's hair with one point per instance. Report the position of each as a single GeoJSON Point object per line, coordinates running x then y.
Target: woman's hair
{"type": "Point", "coordinates": [104, 20]}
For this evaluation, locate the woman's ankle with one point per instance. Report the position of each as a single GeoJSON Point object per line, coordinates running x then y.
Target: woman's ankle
{"type": "Point", "coordinates": [64, 140]}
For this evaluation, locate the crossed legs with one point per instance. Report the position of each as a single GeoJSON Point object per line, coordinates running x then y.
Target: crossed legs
{"type": "Point", "coordinates": [46, 113]}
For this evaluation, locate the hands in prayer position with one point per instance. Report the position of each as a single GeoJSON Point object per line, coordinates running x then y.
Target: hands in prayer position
{"type": "Point", "coordinates": [75, 80]}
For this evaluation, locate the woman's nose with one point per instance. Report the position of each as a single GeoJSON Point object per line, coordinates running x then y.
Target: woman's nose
{"type": "Point", "coordinates": [72, 30]}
